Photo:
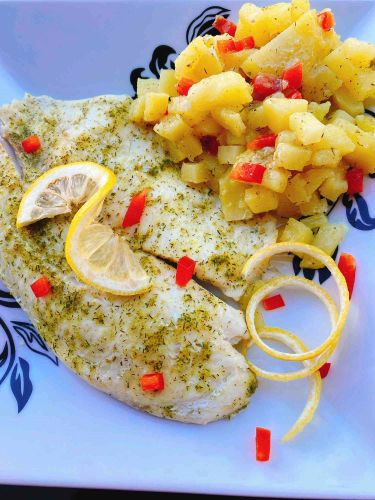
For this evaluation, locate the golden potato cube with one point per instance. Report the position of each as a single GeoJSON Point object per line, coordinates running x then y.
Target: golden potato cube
{"type": "Point", "coordinates": [252, 22]}
{"type": "Point", "coordinates": [227, 155]}
{"type": "Point", "coordinates": [195, 173]}
{"type": "Point", "coordinates": [327, 239]}
{"type": "Point", "coordinates": [315, 221]}
{"type": "Point", "coordinates": [275, 179]}
{"type": "Point", "coordinates": [176, 152]}
{"type": "Point", "coordinates": [287, 137]}
{"type": "Point", "coordinates": [307, 127]}
{"type": "Point", "coordinates": [187, 147]}
{"type": "Point", "coordinates": [256, 117]}
{"type": "Point", "coordinates": [362, 86]}
{"type": "Point", "coordinates": [278, 111]}
{"type": "Point", "coordinates": [137, 110]}
{"type": "Point", "coordinates": [232, 197]}
{"type": "Point", "coordinates": [198, 61]}
{"type": "Point", "coordinates": [230, 120]}
{"type": "Point", "coordinates": [182, 106]}
{"type": "Point", "coordinates": [296, 189]}
{"type": "Point", "coordinates": [320, 111]}
{"type": "Point", "coordinates": [208, 126]}
{"type": "Point", "coordinates": [314, 206]}
{"type": "Point", "coordinates": [344, 100]}
{"type": "Point", "coordinates": [340, 114]}
{"type": "Point", "coordinates": [156, 105]}
{"type": "Point", "coordinates": [296, 231]}
{"type": "Point", "coordinates": [326, 158]}
{"type": "Point", "coordinates": [234, 60]}
{"type": "Point", "coordinates": [320, 83]}
{"type": "Point", "coordinates": [168, 82]}
{"type": "Point", "coordinates": [277, 18]}
{"type": "Point", "coordinates": [314, 179]}
{"type": "Point", "coordinates": [299, 7]}
{"type": "Point", "coordinates": [228, 89]}
{"type": "Point", "coordinates": [172, 127]}
{"type": "Point", "coordinates": [336, 138]}
{"type": "Point", "coordinates": [291, 157]}
{"type": "Point", "coordinates": [260, 199]}
{"type": "Point", "coordinates": [234, 140]}
{"type": "Point", "coordinates": [365, 122]}
{"type": "Point", "coordinates": [286, 208]}
{"type": "Point", "coordinates": [335, 185]}
{"type": "Point", "coordinates": [340, 64]}
{"type": "Point", "coordinates": [361, 54]}
{"type": "Point", "coordinates": [145, 85]}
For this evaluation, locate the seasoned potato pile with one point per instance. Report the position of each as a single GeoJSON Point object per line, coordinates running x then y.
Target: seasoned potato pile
{"type": "Point", "coordinates": [269, 113]}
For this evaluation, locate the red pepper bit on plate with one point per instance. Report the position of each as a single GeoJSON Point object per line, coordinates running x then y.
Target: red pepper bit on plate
{"type": "Point", "coordinates": [347, 266]}
{"type": "Point", "coordinates": [263, 444]}
{"type": "Point", "coordinates": [326, 19]}
{"type": "Point", "coordinates": [248, 172]}
{"type": "Point", "coordinates": [183, 86]}
{"type": "Point", "coordinates": [135, 210]}
{"type": "Point", "coordinates": [31, 144]}
{"type": "Point", "coordinates": [185, 270]}
{"type": "Point", "coordinates": [274, 302]}
{"type": "Point", "coordinates": [324, 369]}
{"type": "Point", "coordinates": [224, 26]}
{"type": "Point", "coordinates": [41, 287]}
{"type": "Point", "coordinates": [266, 141]}
{"type": "Point", "coordinates": [152, 382]}
{"type": "Point", "coordinates": [354, 176]}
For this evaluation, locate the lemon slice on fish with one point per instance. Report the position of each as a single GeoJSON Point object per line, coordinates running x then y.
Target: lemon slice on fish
{"type": "Point", "coordinates": [98, 256]}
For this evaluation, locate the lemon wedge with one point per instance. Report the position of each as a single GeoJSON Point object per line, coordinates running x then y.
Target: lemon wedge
{"type": "Point", "coordinates": [98, 256]}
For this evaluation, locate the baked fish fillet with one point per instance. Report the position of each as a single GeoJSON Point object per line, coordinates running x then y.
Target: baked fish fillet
{"type": "Point", "coordinates": [186, 333]}
{"type": "Point", "coordinates": [178, 220]}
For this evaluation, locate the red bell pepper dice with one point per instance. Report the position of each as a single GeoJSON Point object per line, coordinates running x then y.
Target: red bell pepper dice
{"type": "Point", "coordinates": [266, 141]}
{"type": "Point", "coordinates": [326, 19]}
{"type": "Point", "coordinates": [244, 43]}
{"type": "Point", "coordinates": [185, 270]}
{"type": "Point", "coordinates": [293, 76]}
{"type": "Point", "coordinates": [263, 444]}
{"type": "Point", "coordinates": [324, 369]}
{"type": "Point", "coordinates": [210, 144]}
{"type": "Point", "coordinates": [135, 210]}
{"type": "Point", "coordinates": [265, 85]}
{"type": "Point", "coordinates": [354, 176]}
{"type": "Point", "coordinates": [225, 46]}
{"type": "Point", "coordinates": [41, 287]}
{"type": "Point", "coordinates": [183, 86]}
{"type": "Point", "coordinates": [152, 382]}
{"type": "Point", "coordinates": [347, 266]}
{"type": "Point", "coordinates": [224, 26]}
{"type": "Point", "coordinates": [274, 302]}
{"type": "Point", "coordinates": [248, 172]}
{"type": "Point", "coordinates": [31, 144]}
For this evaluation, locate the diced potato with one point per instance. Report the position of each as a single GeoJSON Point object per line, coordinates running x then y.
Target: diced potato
{"type": "Point", "coordinates": [314, 179]}
{"type": "Point", "coordinates": [340, 64]}
{"type": "Point", "coordinates": [319, 110]}
{"type": "Point", "coordinates": [260, 199]}
{"type": "Point", "coordinates": [336, 138]}
{"type": "Point", "coordinates": [172, 127]}
{"type": "Point", "coordinates": [230, 120]}
{"type": "Point", "coordinates": [327, 239]}
{"type": "Point", "coordinates": [286, 208]}
{"type": "Point", "coordinates": [307, 128]}
{"type": "Point", "coordinates": [326, 158]}
{"type": "Point", "coordinates": [277, 18]}
{"type": "Point", "coordinates": [275, 179]}
{"type": "Point", "coordinates": [340, 114]}
{"type": "Point", "coordinates": [365, 122]}
{"type": "Point", "coordinates": [315, 221]}
{"type": "Point", "coordinates": [188, 147]}
{"type": "Point", "coordinates": [314, 206]}
{"type": "Point", "coordinates": [232, 197]}
{"type": "Point", "coordinates": [156, 105]}
{"type": "Point", "coordinates": [168, 82]}
{"type": "Point", "coordinates": [303, 41]}
{"type": "Point", "coordinates": [195, 173]}
{"type": "Point", "coordinates": [228, 89]}
{"type": "Point", "coordinates": [296, 231]}
{"type": "Point", "coordinates": [216, 170]}
{"type": "Point", "coordinates": [278, 111]}
{"type": "Point", "coordinates": [345, 101]}
{"type": "Point", "coordinates": [137, 110]}
{"type": "Point", "coordinates": [233, 60]}
{"type": "Point", "coordinates": [335, 185]}
{"type": "Point", "coordinates": [145, 85]}
{"type": "Point", "coordinates": [256, 117]}
{"type": "Point", "coordinates": [320, 83]}
{"type": "Point", "coordinates": [287, 137]}
{"type": "Point", "coordinates": [207, 126]}
{"type": "Point", "coordinates": [176, 153]}
{"type": "Point", "coordinates": [227, 155]}
{"type": "Point", "coordinates": [299, 7]}
{"type": "Point", "coordinates": [291, 157]}
{"type": "Point", "coordinates": [249, 16]}
{"type": "Point", "coordinates": [296, 189]}
{"type": "Point", "coordinates": [198, 61]}
{"type": "Point", "coordinates": [361, 54]}
{"type": "Point", "coordinates": [235, 140]}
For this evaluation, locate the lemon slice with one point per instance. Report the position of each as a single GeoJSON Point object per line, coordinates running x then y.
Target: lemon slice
{"type": "Point", "coordinates": [97, 255]}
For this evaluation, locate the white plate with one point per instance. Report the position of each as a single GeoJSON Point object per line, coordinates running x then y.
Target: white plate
{"type": "Point", "coordinates": [67, 433]}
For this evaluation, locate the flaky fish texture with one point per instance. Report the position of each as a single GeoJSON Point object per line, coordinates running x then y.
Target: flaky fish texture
{"type": "Point", "coordinates": [186, 333]}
